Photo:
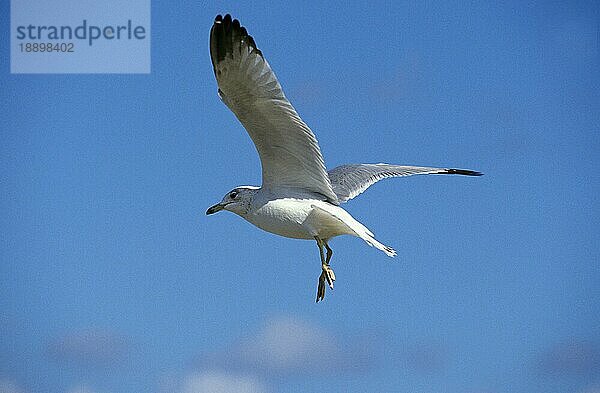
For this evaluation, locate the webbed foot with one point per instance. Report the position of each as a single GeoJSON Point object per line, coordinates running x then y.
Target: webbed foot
{"type": "Point", "coordinates": [327, 275]}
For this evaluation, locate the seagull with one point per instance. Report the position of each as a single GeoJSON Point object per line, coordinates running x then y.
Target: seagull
{"type": "Point", "coordinates": [298, 197]}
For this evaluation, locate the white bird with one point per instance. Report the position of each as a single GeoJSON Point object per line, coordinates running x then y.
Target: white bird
{"type": "Point", "coordinates": [298, 197]}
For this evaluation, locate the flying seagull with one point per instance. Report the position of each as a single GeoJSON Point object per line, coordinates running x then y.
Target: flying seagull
{"type": "Point", "coordinates": [298, 198]}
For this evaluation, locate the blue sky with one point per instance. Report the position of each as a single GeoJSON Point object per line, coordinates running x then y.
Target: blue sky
{"type": "Point", "coordinates": [113, 280]}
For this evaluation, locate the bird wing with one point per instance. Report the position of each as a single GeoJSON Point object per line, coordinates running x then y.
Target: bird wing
{"type": "Point", "coordinates": [351, 180]}
{"type": "Point", "coordinates": [288, 150]}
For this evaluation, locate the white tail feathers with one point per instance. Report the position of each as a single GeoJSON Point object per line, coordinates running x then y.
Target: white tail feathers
{"type": "Point", "coordinates": [371, 241]}
{"type": "Point", "coordinates": [353, 227]}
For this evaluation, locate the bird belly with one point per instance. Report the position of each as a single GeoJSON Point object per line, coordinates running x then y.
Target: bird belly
{"type": "Point", "coordinates": [282, 217]}
{"type": "Point", "coordinates": [297, 218]}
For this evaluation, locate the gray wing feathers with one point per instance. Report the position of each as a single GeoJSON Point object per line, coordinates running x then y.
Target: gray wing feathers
{"type": "Point", "coordinates": [288, 150]}
{"type": "Point", "coordinates": [351, 180]}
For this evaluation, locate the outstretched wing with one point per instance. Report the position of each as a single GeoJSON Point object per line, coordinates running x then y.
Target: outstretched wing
{"type": "Point", "coordinates": [351, 180]}
{"type": "Point", "coordinates": [288, 150]}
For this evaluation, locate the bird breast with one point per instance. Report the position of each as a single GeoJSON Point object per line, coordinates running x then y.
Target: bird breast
{"type": "Point", "coordinates": [284, 217]}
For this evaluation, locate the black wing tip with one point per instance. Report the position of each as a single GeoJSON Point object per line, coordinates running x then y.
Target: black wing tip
{"type": "Point", "coordinates": [223, 19]}
{"type": "Point", "coordinates": [225, 33]}
{"type": "Point", "coordinates": [465, 172]}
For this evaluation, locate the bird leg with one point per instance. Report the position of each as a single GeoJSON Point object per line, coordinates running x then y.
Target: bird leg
{"type": "Point", "coordinates": [329, 253]}
{"type": "Point", "coordinates": [330, 275]}
{"type": "Point", "coordinates": [327, 272]}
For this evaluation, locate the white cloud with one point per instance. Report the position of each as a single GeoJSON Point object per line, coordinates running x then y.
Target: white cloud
{"type": "Point", "coordinates": [81, 389]}
{"type": "Point", "coordinates": [571, 357]}
{"type": "Point", "coordinates": [90, 347]}
{"type": "Point", "coordinates": [591, 389]}
{"type": "Point", "coordinates": [424, 357]}
{"type": "Point", "coordinates": [286, 343]}
{"type": "Point", "coordinates": [291, 346]}
{"type": "Point", "coordinates": [222, 382]}
{"type": "Point", "coordinates": [8, 386]}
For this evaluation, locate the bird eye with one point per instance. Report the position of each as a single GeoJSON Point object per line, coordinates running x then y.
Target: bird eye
{"type": "Point", "coordinates": [233, 194]}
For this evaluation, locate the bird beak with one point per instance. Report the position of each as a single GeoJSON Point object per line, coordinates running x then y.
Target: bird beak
{"type": "Point", "coordinates": [216, 208]}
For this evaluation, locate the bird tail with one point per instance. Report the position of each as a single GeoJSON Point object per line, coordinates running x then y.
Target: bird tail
{"type": "Point", "coordinates": [371, 241]}
{"type": "Point", "coordinates": [355, 228]}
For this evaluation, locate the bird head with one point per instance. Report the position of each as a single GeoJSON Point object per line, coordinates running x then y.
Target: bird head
{"type": "Point", "coordinates": [236, 201]}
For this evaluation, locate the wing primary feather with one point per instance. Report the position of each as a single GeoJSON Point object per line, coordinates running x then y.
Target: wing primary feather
{"type": "Point", "coordinates": [464, 172]}
{"type": "Point", "coordinates": [288, 150]}
{"type": "Point", "coordinates": [351, 180]}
